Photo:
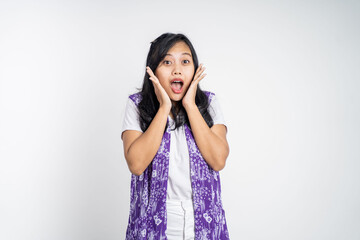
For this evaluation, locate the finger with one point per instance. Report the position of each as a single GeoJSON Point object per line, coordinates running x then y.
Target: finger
{"type": "Point", "coordinates": [199, 68]}
{"type": "Point", "coordinates": [152, 76]}
{"type": "Point", "coordinates": [200, 72]}
{"type": "Point", "coordinates": [154, 80]}
{"type": "Point", "coordinates": [201, 77]}
{"type": "Point", "coordinates": [150, 72]}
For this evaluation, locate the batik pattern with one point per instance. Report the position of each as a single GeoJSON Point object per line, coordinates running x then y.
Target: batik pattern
{"type": "Point", "coordinates": [147, 219]}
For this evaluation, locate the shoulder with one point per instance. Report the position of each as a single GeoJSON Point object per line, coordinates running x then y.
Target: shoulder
{"type": "Point", "coordinates": [136, 97]}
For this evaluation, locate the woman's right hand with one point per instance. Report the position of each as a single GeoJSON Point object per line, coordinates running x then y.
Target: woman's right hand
{"type": "Point", "coordinates": [160, 92]}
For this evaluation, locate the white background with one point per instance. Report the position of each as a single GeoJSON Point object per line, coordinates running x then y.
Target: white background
{"type": "Point", "coordinates": [287, 77]}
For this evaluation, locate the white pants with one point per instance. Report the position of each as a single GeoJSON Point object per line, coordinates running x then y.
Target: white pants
{"type": "Point", "coordinates": [180, 220]}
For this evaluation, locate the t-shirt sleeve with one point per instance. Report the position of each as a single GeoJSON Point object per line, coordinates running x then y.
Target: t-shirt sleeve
{"type": "Point", "coordinates": [216, 112]}
{"type": "Point", "coordinates": [131, 116]}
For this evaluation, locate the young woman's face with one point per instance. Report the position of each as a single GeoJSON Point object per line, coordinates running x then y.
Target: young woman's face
{"type": "Point", "coordinates": [176, 71]}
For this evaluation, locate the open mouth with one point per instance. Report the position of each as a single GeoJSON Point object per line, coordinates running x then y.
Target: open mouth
{"type": "Point", "coordinates": [177, 85]}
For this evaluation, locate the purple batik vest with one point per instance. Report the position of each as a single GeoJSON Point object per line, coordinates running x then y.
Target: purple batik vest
{"type": "Point", "coordinates": [147, 218]}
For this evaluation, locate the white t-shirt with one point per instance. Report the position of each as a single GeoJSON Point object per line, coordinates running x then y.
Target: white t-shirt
{"type": "Point", "coordinates": [179, 182]}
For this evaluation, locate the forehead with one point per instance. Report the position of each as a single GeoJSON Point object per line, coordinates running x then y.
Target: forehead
{"type": "Point", "coordinates": [179, 47]}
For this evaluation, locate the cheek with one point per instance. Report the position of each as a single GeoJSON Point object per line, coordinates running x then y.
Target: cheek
{"type": "Point", "coordinates": [162, 80]}
{"type": "Point", "coordinates": [190, 75]}
{"type": "Point", "coordinates": [164, 84]}
{"type": "Point", "coordinates": [162, 76]}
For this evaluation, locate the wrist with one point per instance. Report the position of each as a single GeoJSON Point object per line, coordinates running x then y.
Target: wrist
{"type": "Point", "coordinates": [165, 109]}
{"type": "Point", "coordinates": [190, 106]}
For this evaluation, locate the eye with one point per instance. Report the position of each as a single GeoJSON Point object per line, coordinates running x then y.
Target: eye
{"type": "Point", "coordinates": [186, 61]}
{"type": "Point", "coordinates": [166, 62]}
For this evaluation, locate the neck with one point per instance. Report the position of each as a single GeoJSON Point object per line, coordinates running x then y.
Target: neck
{"type": "Point", "coordinates": [176, 106]}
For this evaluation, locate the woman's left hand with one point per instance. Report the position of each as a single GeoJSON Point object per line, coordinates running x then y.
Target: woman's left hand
{"type": "Point", "coordinates": [189, 98]}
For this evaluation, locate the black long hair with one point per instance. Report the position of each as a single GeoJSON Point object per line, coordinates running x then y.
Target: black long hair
{"type": "Point", "coordinates": [149, 105]}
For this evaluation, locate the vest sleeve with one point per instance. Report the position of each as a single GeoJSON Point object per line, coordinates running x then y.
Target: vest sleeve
{"type": "Point", "coordinates": [131, 116]}
{"type": "Point", "coordinates": [216, 111]}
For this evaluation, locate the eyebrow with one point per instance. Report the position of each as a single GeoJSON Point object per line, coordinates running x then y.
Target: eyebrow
{"type": "Point", "coordinates": [185, 53]}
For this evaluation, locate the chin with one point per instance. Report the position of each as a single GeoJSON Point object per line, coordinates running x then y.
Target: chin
{"type": "Point", "coordinates": [177, 99]}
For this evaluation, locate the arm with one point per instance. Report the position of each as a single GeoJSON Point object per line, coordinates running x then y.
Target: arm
{"type": "Point", "coordinates": [141, 148]}
{"type": "Point", "coordinates": [212, 141]}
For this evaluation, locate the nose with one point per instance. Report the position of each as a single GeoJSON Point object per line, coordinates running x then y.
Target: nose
{"type": "Point", "coordinates": [177, 69]}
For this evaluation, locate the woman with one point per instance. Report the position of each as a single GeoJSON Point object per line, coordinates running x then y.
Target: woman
{"type": "Point", "coordinates": [175, 143]}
